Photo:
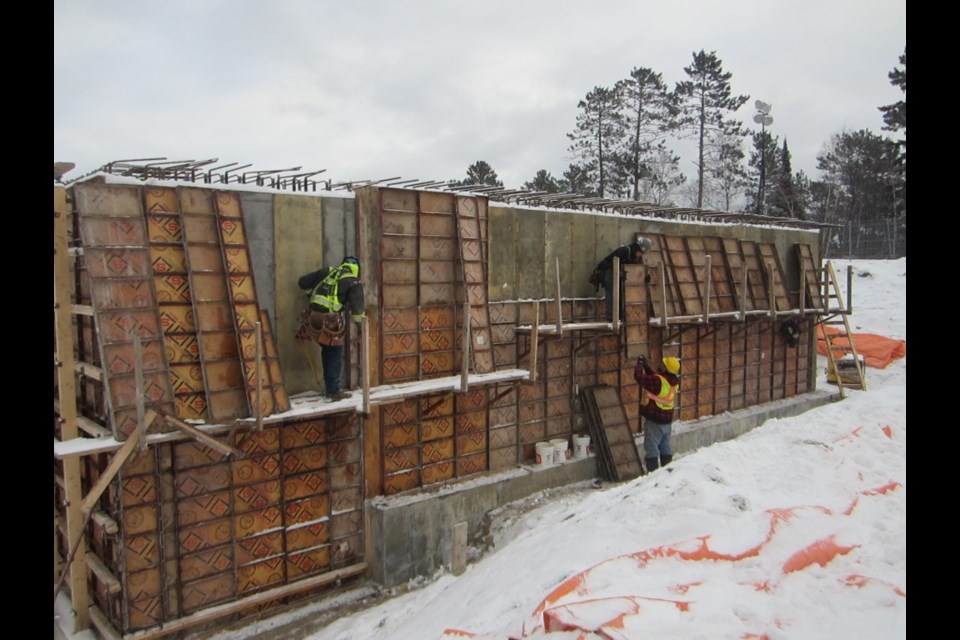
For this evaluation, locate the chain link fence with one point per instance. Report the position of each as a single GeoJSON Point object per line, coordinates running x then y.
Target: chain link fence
{"type": "Point", "coordinates": [872, 240]}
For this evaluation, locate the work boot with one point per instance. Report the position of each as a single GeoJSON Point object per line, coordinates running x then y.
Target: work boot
{"type": "Point", "coordinates": [652, 464]}
{"type": "Point", "coordinates": [339, 395]}
{"type": "Point", "coordinates": [665, 460]}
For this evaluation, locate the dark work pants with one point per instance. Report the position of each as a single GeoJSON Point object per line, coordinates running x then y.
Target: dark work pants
{"type": "Point", "coordinates": [332, 357]}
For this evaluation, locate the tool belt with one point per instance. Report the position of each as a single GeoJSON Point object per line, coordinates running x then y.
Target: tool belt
{"type": "Point", "coordinates": [324, 328]}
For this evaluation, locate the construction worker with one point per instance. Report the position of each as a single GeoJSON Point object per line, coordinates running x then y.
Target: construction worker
{"type": "Point", "coordinates": [629, 254]}
{"type": "Point", "coordinates": [332, 291]}
{"type": "Point", "coordinates": [657, 404]}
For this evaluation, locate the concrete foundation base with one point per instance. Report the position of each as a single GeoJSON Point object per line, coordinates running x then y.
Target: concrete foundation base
{"type": "Point", "coordinates": [412, 534]}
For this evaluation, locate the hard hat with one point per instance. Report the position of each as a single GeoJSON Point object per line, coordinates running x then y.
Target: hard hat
{"type": "Point", "coordinates": [672, 364]}
{"type": "Point", "coordinates": [351, 260]}
{"type": "Point", "coordinates": [644, 244]}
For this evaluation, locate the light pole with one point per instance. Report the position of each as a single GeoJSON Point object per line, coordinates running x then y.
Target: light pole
{"type": "Point", "coordinates": [763, 118]}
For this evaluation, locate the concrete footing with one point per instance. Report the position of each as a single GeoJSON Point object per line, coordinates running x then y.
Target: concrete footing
{"type": "Point", "coordinates": [412, 535]}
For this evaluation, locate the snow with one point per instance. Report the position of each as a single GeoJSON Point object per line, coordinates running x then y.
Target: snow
{"type": "Point", "coordinates": [795, 530]}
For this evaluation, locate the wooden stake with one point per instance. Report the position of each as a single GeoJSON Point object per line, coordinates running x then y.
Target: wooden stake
{"type": "Point", "coordinates": [559, 305]}
{"type": "Point", "coordinates": [706, 299]}
{"type": "Point", "coordinates": [616, 294]}
{"type": "Point", "coordinates": [534, 333]}
{"type": "Point", "coordinates": [465, 373]}
{"type": "Point", "coordinates": [365, 363]}
{"type": "Point", "coordinates": [258, 370]}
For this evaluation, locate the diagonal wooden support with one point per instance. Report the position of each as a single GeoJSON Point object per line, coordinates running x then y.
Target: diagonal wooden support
{"type": "Point", "coordinates": [86, 507]}
{"type": "Point", "coordinates": [206, 439]}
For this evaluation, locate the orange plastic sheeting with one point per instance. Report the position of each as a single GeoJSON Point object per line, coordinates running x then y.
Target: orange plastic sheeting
{"type": "Point", "coordinates": [820, 552]}
{"type": "Point", "coordinates": [877, 351]}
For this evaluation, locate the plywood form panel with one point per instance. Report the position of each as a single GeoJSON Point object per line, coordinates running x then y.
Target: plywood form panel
{"type": "Point", "coordinates": [473, 259]}
{"type": "Point", "coordinates": [663, 288]}
{"type": "Point", "coordinates": [120, 285]}
{"type": "Point", "coordinates": [297, 234]}
{"type": "Point", "coordinates": [502, 263]}
{"type": "Point", "coordinates": [771, 260]}
{"type": "Point", "coordinates": [810, 277]}
{"type": "Point", "coordinates": [264, 374]}
{"type": "Point", "coordinates": [756, 275]}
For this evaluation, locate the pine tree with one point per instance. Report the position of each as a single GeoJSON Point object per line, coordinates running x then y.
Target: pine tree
{"type": "Point", "coordinates": [765, 161]}
{"type": "Point", "coordinates": [785, 199]}
{"type": "Point", "coordinates": [727, 173]}
{"type": "Point", "coordinates": [576, 179]}
{"type": "Point", "coordinates": [649, 111]}
{"type": "Point", "coordinates": [706, 106]}
{"type": "Point", "coordinates": [543, 181]}
{"type": "Point", "coordinates": [481, 173]}
{"type": "Point", "coordinates": [895, 115]}
{"type": "Point", "coordinates": [599, 132]}
{"type": "Point", "coordinates": [661, 177]}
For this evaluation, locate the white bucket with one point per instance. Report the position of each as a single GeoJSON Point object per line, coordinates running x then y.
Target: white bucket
{"type": "Point", "coordinates": [544, 454]}
{"type": "Point", "coordinates": [581, 446]}
{"type": "Point", "coordinates": [561, 450]}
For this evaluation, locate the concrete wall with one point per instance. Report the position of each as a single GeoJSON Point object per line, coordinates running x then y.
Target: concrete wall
{"type": "Point", "coordinates": [413, 535]}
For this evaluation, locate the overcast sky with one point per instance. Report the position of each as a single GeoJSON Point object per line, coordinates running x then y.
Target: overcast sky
{"type": "Point", "coordinates": [423, 88]}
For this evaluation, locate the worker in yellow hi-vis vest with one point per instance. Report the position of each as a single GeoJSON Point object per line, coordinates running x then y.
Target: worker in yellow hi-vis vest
{"type": "Point", "coordinates": [658, 401]}
{"type": "Point", "coordinates": [332, 291]}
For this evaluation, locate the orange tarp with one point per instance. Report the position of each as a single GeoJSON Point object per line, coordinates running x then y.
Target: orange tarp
{"type": "Point", "coordinates": [877, 351]}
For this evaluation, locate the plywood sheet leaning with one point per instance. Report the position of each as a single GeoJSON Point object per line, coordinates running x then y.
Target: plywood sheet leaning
{"type": "Point", "coordinates": [757, 295]}
{"type": "Point", "coordinates": [809, 278]}
{"type": "Point", "coordinates": [722, 298]}
{"type": "Point", "coordinates": [609, 427]}
{"type": "Point", "coordinates": [174, 302]}
{"type": "Point", "coordinates": [739, 274]}
{"type": "Point", "coordinates": [687, 279]}
{"type": "Point", "coordinates": [662, 286]}
{"type": "Point", "coordinates": [212, 308]}
{"type": "Point", "coordinates": [775, 276]}
{"type": "Point", "coordinates": [242, 293]}
{"type": "Point", "coordinates": [473, 251]}
{"type": "Point", "coordinates": [114, 239]}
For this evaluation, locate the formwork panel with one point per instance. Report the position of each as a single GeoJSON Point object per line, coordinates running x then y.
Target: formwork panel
{"type": "Point", "coordinates": [438, 249]}
{"type": "Point", "coordinates": [503, 458]}
{"type": "Point", "coordinates": [307, 536]}
{"type": "Point", "coordinates": [438, 450]}
{"type": "Point", "coordinates": [437, 428]}
{"type": "Point", "coordinates": [395, 223]}
{"type": "Point", "coordinates": [434, 473]}
{"type": "Point", "coordinates": [203, 508]}
{"type": "Point", "coordinates": [401, 482]}
{"type": "Point", "coordinates": [307, 563]}
{"type": "Point", "coordinates": [398, 272]}
{"type": "Point", "coordinates": [399, 199]}
{"type": "Point", "coordinates": [258, 547]}
{"type": "Point", "coordinates": [141, 551]}
{"type": "Point", "coordinates": [308, 458]}
{"type": "Point", "coordinates": [401, 459]}
{"type": "Point", "coordinates": [442, 226]}
{"type": "Point", "coordinates": [305, 484]}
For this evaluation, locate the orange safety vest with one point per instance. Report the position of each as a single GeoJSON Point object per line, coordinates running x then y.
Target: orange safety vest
{"type": "Point", "coordinates": [668, 394]}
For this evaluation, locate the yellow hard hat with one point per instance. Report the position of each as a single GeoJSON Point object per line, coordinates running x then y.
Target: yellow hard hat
{"type": "Point", "coordinates": [672, 364]}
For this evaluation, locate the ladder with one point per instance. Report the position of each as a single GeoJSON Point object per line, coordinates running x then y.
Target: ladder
{"type": "Point", "coordinates": [839, 341]}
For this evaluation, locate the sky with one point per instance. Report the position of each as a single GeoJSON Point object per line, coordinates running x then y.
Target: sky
{"type": "Point", "coordinates": [796, 529]}
{"type": "Point", "coordinates": [422, 89]}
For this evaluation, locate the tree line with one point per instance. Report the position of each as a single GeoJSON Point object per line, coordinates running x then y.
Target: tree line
{"type": "Point", "coordinates": [620, 146]}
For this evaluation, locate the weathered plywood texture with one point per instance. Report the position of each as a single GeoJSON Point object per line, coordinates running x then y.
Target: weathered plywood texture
{"type": "Point", "coordinates": [503, 255]}
{"type": "Point", "coordinates": [258, 217]}
{"type": "Point", "coordinates": [298, 234]}
{"type": "Point", "coordinates": [120, 279]}
{"type": "Point", "coordinates": [531, 230]}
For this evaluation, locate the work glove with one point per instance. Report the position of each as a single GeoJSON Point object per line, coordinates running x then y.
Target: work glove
{"type": "Point", "coordinates": [357, 317]}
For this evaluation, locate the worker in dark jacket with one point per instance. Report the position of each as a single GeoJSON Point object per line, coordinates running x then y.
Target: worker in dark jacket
{"type": "Point", "coordinates": [658, 402]}
{"type": "Point", "coordinates": [332, 291]}
{"type": "Point", "coordinates": [629, 254]}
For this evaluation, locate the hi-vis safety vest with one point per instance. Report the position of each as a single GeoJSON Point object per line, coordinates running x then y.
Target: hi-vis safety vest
{"type": "Point", "coordinates": [668, 394]}
{"type": "Point", "coordinates": [326, 293]}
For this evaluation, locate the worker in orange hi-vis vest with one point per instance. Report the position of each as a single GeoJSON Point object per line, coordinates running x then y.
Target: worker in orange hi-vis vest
{"type": "Point", "coordinates": [657, 403]}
